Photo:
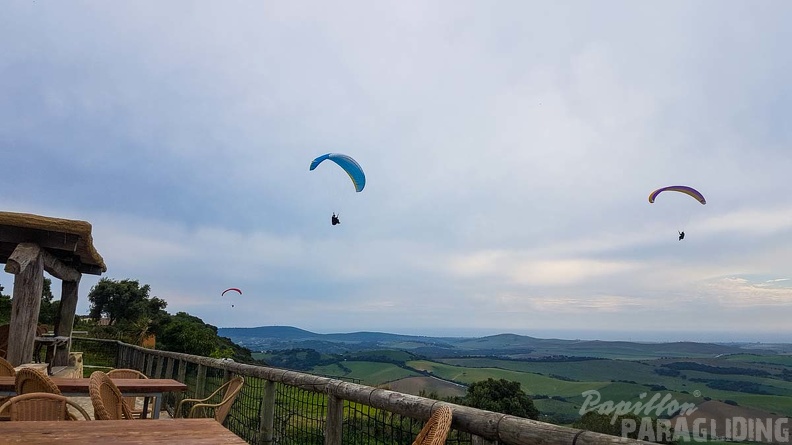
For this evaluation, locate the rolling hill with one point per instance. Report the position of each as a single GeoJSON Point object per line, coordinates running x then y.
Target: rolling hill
{"type": "Point", "coordinates": [266, 338]}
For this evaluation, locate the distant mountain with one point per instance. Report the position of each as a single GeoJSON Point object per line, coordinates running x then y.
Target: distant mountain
{"type": "Point", "coordinates": [282, 332]}
{"type": "Point", "coordinates": [265, 338]}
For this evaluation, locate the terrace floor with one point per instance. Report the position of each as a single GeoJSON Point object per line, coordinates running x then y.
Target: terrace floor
{"type": "Point", "coordinates": [85, 403]}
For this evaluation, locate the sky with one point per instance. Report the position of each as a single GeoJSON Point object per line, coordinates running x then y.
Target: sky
{"type": "Point", "coordinates": [509, 149]}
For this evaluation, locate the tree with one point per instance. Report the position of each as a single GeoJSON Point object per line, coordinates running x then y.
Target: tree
{"type": "Point", "coordinates": [123, 300]}
{"type": "Point", "coordinates": [131, 313]}
{"type": "Point", "coordinates": [49, 309]}
{"type": "Point", "coordinates": [47, 312]}
{"type": "Point", "coordinates": [606, 424]}
{"type": "Point", "coordinates": [188, 334]}
{"type": "Point", "coordinates": [501, 396]}
{"type": "Point", "coordinates": [5, 307]}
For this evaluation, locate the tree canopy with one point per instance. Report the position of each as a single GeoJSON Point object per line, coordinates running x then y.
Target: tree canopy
{"type": "Point", "coordinates": [48, 311]}
{"type": "Point", "coordinates": [133, 315]}
{"type": "Point", "coordinates": [189, 334]}
{"type": "Point", "coordinates": [123, 300]}
{"type": "Point", "coordinates": [502, 396]}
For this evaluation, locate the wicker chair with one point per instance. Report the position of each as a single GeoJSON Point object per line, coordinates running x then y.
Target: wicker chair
{"type": "Point", "coordinates": [107, 400]}
{"type": "Point", "coordinates": [231, 388]}
{"type": "Point", "coordinates": [6, 368]}
{"type": "Point", "coordinates": [129, 374]}
{"type": "Point", "coordinates": [41, 406]}
{"type": "Point", "coordinates": [436, 429]}
{"type": "Point", "coordinates": [30, 380]}
{"type": "Point", "coordinates": [4, 332]}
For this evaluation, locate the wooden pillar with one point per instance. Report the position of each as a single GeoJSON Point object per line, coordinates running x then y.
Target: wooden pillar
{"type": "Point", "coordinates": [149, 364]}
{"type": "Point", "coordinates": [169, 368]}
{"type": "Point", "coordinates": [334, 421]}
{"type": "Point", "coordinates": [182, 377]}
{"type": "Point", "coordinates": [200, 382]}
{"type": "Point", "coordinates": [65, 320]}
{"type": "Point", "coordinates": [158, 369]}
{"type": "Point", "coordinates": [267, 414]}
{"type": "Point", "coordinates": [27, 265]}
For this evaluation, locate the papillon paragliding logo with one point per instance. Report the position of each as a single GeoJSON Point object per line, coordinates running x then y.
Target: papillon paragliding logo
{"type": "Point", "coordinates": [234, 289]}
{"type": "Point", "coordinates": [690, 191]}
{"type": "Point", "coordinates": [351, 167]}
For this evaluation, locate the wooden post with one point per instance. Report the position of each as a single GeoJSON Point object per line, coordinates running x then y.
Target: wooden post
{"type": "Point", "coordinates": [149, 362]}
{"type": "Point", "coordinates": [200, 383]}
{"type": "Point", "coordinates": [267, 414]}
{"type": "Point", "coordinates": [120, 355]}
{"type": "Point", "coordinates": [169, 369]}
{"type": "Point", "coordinates": [334, 421]}
{"type": "Point", "coordinates": [65, 321]}
{"type": "Point", "coordinates": [28, 267]}
{"type": "Point", "coordinates": [182, 378]}
{"type": "Point", "coordinates": [158, 372]}
{"type": "Point", "coordinates": [182, 371]}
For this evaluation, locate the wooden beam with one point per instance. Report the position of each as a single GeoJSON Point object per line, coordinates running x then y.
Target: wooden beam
{"type": "Point", "coordinates": [23, 255]}
{"type": "Point", "coordinates": [65, 320]}
{"type": "Point", "coordinates": [334, 420]}
{"type": "Point", "coordinates": [28, 266]}
{"type": "Point", "coordinates": [90, 269]}
{"type": "Point", "coordinates": [67, 260]}
{"type": "Point", "coordinates": [57, 269]}
{"type": "Point", "coordinates": [46, 239]}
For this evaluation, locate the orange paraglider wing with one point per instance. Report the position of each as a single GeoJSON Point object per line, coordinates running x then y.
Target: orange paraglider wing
{"type": "Point", "coordinates": [233, 289]}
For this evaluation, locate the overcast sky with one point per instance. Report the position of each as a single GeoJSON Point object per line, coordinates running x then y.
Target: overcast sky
{"type": "Point", "coordinates": [509, 149]}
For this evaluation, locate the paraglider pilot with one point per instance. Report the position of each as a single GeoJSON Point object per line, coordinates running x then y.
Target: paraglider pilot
{"type": "Point", "coordinates": [334, 219]}
{"type": "Point", "coordinates": [681, 236]}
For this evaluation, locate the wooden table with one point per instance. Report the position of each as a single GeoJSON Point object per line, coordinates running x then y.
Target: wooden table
{"type": "Point", "coordinates": [119, 432]}
{"type": "Point", "coordinates": [51, 343]}
{"type": "Point", "coordinates": [128, 387]}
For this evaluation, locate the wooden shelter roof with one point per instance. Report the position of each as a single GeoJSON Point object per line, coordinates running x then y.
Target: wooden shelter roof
{"type": "Point", "coordinates": [68, 240]}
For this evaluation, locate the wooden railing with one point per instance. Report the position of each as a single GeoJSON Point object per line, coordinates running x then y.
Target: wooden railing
{"type": "Point", "coordinates": [483, 427]}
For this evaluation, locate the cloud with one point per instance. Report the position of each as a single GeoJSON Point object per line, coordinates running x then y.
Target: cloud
{"type": "Point", "coordinates": [519, 268]}
{"type": "Point", "coordinates": [736, 292]}
{"type": "Point", "coordinates": [509, 152]}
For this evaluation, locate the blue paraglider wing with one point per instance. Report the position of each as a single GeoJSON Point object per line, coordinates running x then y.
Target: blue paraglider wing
{"type": "Point", "coordinates": [348, 164]}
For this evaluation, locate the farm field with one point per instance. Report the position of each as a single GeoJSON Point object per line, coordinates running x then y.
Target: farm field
{"type": "Point", "coordinates": [758, 378]}
{"type": "Point", "coordinates": [430, 385]}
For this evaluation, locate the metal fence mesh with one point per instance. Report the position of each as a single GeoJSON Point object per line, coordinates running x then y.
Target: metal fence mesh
{"type": "Point", "coordinates": [299, 414]}
{"type": "Point", "coordinates": [245, 416]}
{"type": "Point", "coordinates": [97, 355]}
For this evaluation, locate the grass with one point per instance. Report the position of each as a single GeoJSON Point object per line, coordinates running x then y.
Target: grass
{"type": "Point", "coordinates": [784, 360]}
{"type": "Point", "coordinates": [88, 370]}
{"type": "Point", "coordinates": [369, 373]}
{"type": "Point", "coordinates": [301, 413]}
{"type": "Point", "coordinates": [530, 383]}
{"type": "Point", "coordinates": [586, 370]}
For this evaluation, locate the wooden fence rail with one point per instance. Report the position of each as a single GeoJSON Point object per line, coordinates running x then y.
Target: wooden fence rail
{"type": "Point", "coordinates": [485, 427]}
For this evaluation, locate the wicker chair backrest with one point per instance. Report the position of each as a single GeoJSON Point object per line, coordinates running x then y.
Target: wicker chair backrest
{"type": "Point", "coordinates": [106, 398]}
{"type": "Point", "coordinates": [41, 406]}
{"type": "Point", "coordinates": [436, 429]}
{"type": "Point", "coordinates": [30, 380]}
{"type": "Point", "coordinates": [6, 368]}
